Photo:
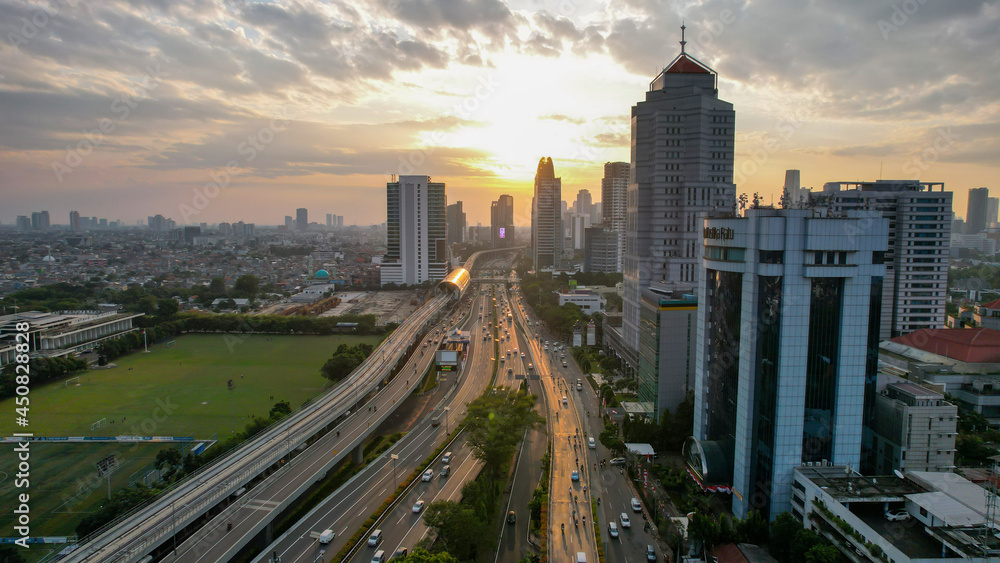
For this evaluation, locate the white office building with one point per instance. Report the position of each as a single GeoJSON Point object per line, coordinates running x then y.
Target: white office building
{"type": "Point", "coordinates": [681, 170]}
{"type": "Point", "coordinates": [416, 231]}
{"type": "Point", "coordinates": [916, 263]}
{"type": "Point", "coordinates": [786, 349]}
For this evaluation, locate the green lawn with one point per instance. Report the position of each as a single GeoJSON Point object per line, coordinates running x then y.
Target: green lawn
{"type": "Point", "coordinates": [176, 391]}
{"type": "Point", "coordinates": [181, 391]}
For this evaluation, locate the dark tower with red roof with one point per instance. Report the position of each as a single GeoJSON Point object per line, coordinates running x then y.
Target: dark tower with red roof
{"type": "Point", "coordinates": [681, 171]}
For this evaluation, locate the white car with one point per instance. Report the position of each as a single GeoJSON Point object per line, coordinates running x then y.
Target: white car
{"type": "Point", "coordinates": [326, 536]}
{"type": "Point", "coordinates": [613, 529]}
{"type": "Point", "coordinates": [428, 475]}
{"type": "Point", "coordinates": [897, 515]}
{"type": "Point", "coordinates": [626, 523]}
{"type": "Point", "coordinates": [418, 507]}
{"type": "Point", "coordinates": [636, 505]}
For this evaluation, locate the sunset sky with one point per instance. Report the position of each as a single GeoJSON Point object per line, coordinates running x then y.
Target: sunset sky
{"type": "Point", "coordinates": [123, 109]}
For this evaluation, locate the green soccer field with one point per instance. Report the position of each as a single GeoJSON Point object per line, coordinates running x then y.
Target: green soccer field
{"type": "Point", "coordinates": [181, 390]}
{"type": "Point", "coordinates": [175, 391]}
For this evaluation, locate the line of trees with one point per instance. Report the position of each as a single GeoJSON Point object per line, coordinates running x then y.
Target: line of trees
{"type": "Point", "coordinates": [41, 371]}
{"type": "Point", "coordinates": [494, 423]}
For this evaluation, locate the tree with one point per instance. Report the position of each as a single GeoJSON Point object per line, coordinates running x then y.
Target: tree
{"type": "Point", "coordinates": [247, 285]}
{"type": "Point", "coordinates": [217, 287]}
{"type": "Point", "coordinates": [147, 305]}
{"type": "Point", "coordinates": [823, 554]}
{"type": "Point", "coordinates": [783, 530]}
{"type": "Point", "coordinates": [166, 308]}
{"type": "Point", "coordinates": [420, 555]}
{"type": "Point", "coordinates": [11, 554]}
{"type": "Point", "coordinates": [280, 409]}
{"type": "Point", "coordinates": [495, 422]}
{"type": "Point", "coordinates": [457, 528]}
{"type": "Point", "coordinates": [168, 456]}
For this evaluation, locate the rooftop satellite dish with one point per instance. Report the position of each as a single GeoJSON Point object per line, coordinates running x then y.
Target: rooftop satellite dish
{"type": "Point", "coordinates": [899, 473]}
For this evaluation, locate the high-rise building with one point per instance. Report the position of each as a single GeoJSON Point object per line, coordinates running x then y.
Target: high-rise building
{"type": "Point", "coordinates": [502, 221]}
{"type": "Point", "coordinates": [578, 224]}
{"type": "Point", "coordinates": [289, 222]}
{"type": "Point", "coordinates": [40, 220]}
{"type": "Point", "coordinates": [23, 223]}
{"type": "Point", "coordinates": [329, 220]}
{"type": "Point", "coordinates": [975, 217]}
{"type": "Point", "coordinates": [602, 250]}
{"type": "Point", "coordinates": [546, 217]}
{"type": "Point", "coordinates": [992, 211]}
{"type": "Point", "coordinates": [416, 231]}
{"type": "Point", "coordinates": [614, 194]}
{"type": "Point", "coordinates": [158, 223]}
{"type": "Point", "coordinates": [668, 323]}
{"type": "Point", "coordinates": [584, 204]}
{"type": "Point", "coordinates": [301, 219]}
{"type": "Point", "coordinates": [914, 429]}
{"type": "Point", "coordinates": [456, 223]}
{"type": "Point", "coordinates": [787, 348]}
{"type": "Point", "coordinates": [74, 221]}
{"type": "Point", "coordinates": [681, 170]}
{"type": "Point", "coordinates": [794, 194]}
{"type": "Point", "coordinates": [916, 263]}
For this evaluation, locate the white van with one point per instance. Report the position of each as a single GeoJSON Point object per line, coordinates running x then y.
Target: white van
{"type": "Point", "coordinates": [326, 536]}
{"type": "Point", "coordinates": [581, 557]}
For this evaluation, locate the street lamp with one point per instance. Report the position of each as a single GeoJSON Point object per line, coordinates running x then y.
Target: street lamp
{"type": "Point", "coordinates": [394, 457]}
{"type": "Point", "coordinates": [446, 426]}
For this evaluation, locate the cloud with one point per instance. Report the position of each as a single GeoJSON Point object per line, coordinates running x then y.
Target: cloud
{"type": "Point", "coordinates": [566, 118]}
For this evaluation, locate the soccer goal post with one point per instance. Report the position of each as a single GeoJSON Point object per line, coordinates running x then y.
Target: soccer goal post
{"type": "Point", "coordinates": [72, 381]}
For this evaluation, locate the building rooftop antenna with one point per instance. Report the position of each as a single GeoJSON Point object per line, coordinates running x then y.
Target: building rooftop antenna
{"type": "Point", "coordinates": [683, 42]}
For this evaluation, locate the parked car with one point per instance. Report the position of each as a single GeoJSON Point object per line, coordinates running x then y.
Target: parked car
{"type": "Point", "coordinates": [897, 515]}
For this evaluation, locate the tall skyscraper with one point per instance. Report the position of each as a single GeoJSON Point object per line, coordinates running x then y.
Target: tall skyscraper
{"type": "Point", "coordinates": [992, 210]}
{"type": "Point", "coordinates": [614, 194]}
{"type": "Point", "coordinates": [916, 263]}
{"type": "Point", "coordinates": [301, 219]}
{"type": "Point", "coordinates": [681, 170]}
{"type": "Point", "coordinates": [787, 348]}
{"type": "Point", "coordinates": [289, 222]}
{"type": "Point", "coordinates": [340, 221]}
{"type": "Point", "coordinates": [329, 220]}
{"type": "Point", "coordinates": [793, 193]}
{"type": "Point", "coordinates": [602, 250]}
{"type": "Point", "coordinates": [546, 217]}
{"type": "Point", "coordinates": [416, 226]}
{"type": "Point", "coordinates": [74, 221]}
{"type": "Point", "coordinates": [456, 223]}
{"type": "Point", "coordinates": [23, 223]}
{"type": "Point", "coordinates": [975, 218]}
{"type": "Point", "coordinates": [584, 203]}
{"type": "Point", "coordinates": [502, 221]}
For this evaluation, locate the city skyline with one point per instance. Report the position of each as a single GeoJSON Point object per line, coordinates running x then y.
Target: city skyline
{"type": "Point", "coordinates": [153, 105]}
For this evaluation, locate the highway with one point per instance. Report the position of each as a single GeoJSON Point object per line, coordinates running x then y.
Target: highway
{"type": "Point", "coordinates": [345, 509]}
{"type": "Point", "coordinates": [150, 526]}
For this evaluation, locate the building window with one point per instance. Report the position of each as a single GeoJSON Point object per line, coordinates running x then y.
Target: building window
{"type": "Point", "coordinates": [771, 256]}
